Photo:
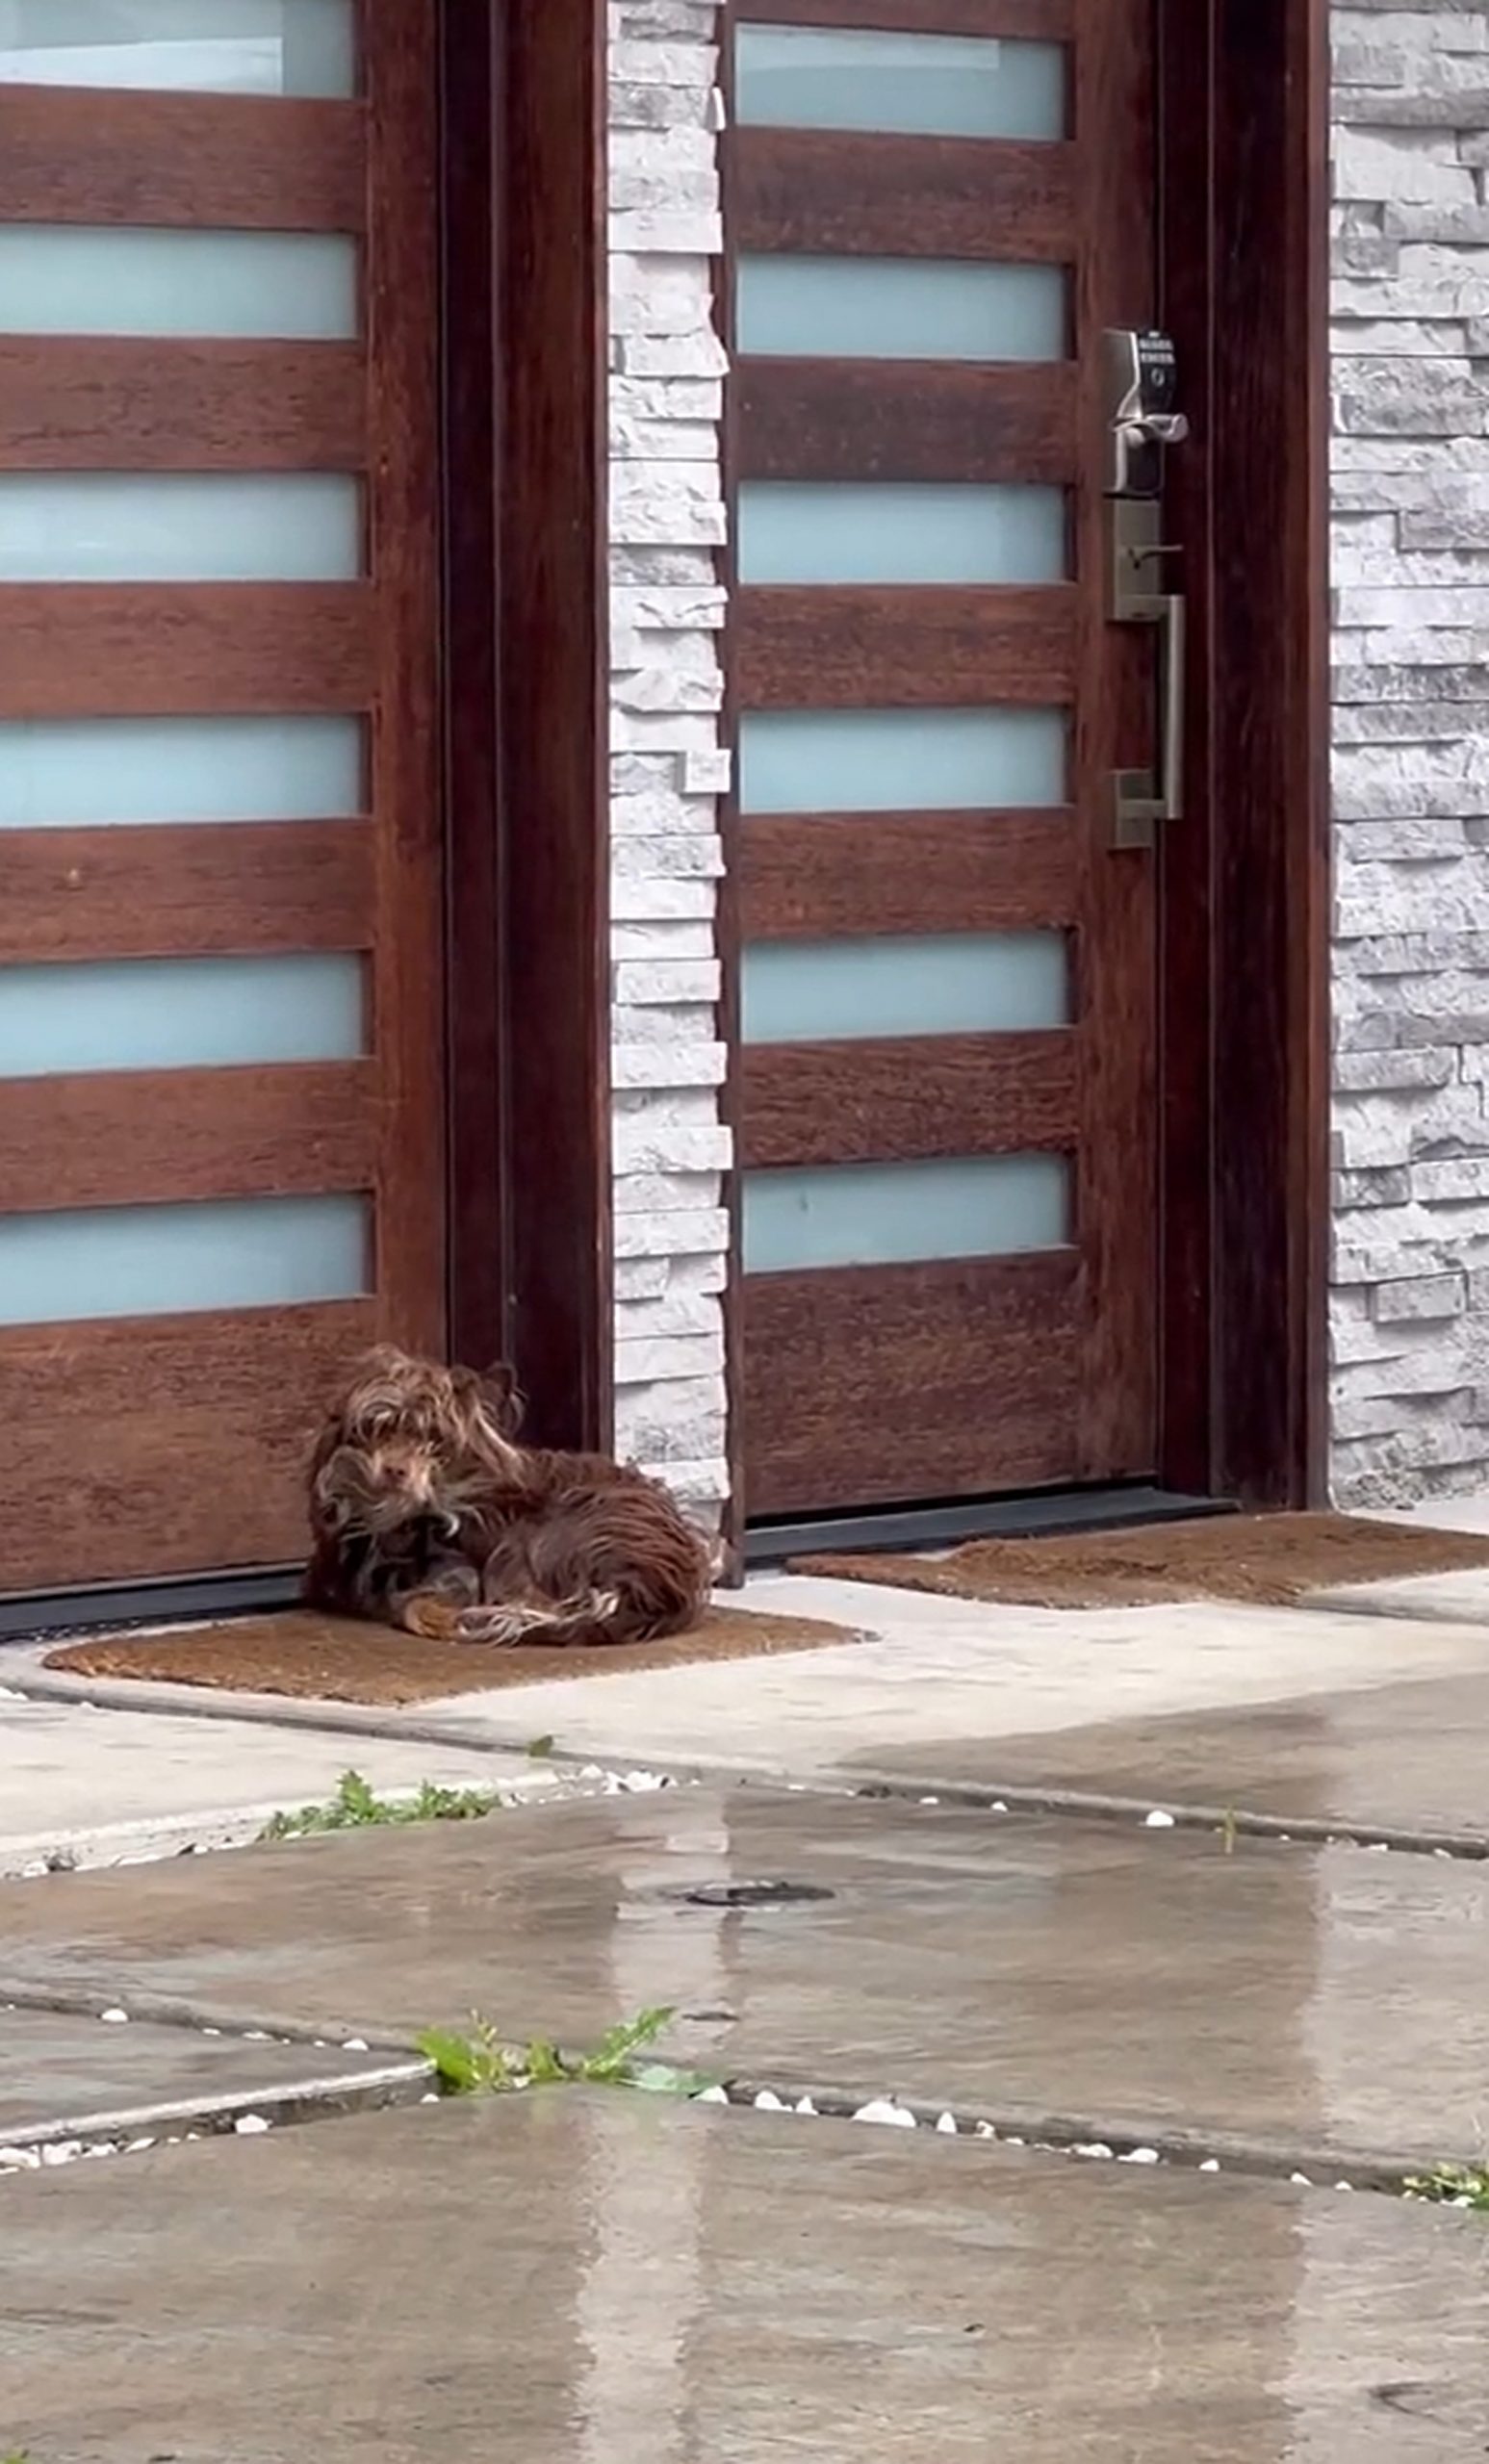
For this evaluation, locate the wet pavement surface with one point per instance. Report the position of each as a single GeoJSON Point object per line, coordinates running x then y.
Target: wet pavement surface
{"type": "Point", "coordinates": [1402, 1757]}
{"type": "Point", "coordinates": [1376, 1721]}
{"type": "Point", "coordinates": [58, 2066]}
{"type": "Point", "coordinates": [1294, 1997]}
{"type": "Point", "coordinates": [608, 2279]}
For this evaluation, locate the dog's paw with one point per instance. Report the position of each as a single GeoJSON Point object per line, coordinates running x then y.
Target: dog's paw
{"type": "Point", "coordinates": [499, 1626]}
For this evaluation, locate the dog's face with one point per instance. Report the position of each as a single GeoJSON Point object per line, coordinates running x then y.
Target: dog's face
{"type": "Point", "coordinates": [412, 1442]}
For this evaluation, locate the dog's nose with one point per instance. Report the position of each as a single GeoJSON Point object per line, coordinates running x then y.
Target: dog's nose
{"type": "Point", "coordinates": [402, 1472]}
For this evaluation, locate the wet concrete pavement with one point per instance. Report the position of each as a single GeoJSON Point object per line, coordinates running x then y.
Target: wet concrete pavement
{"type": "Point", "coordinates": [1405, 1757]}
{"type": "Point", "coordinates": [641, 2281]}
{"type": "Point", "coordinates": [65, 2066]}
{"type": "Point", "coordinates": [578, 2279]}
{"type": "Point", "coordinates": [1375, 1720]}
{"type": "Point", "coordinates": [1292, 1999]}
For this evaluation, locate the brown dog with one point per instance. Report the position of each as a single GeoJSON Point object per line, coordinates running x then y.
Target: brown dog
{"type": "Point", "coordinates": [425, 1513]}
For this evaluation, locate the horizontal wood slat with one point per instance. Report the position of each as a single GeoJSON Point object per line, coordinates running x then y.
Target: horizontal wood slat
{"type": "Point", "coordinates": [810, 648]}
{"type": "Point", "coordinates": [873, 1385]}
{"type": "Point", "coordinates": [81, 649]}
{"type": "Point", "coordinates": [823, 419]}
{"type": "Point", "coordinates": [883, 1099]}
{"type": "Point", "coordinates": [198, 889]}
{"type": "Point", "coordinates": [840, 193]}
{"type": "Point", "coordinates": [805, 878]}
{"type": "Point", "coordinates": [164, 1446]}
{"type": "Point", "coordinates": [230, 162]}
{"type": "Point", "coordinates": [155, 1137]}
{"type": "Point", "coordinates": [110, 403]}
{"type": "Point", "coordinates": [1052, 19]}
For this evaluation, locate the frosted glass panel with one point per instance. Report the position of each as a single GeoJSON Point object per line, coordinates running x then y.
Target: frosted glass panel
{"type": "Point", "coordinates": [128, 527]}
{"type": "Point", "coordinates": [178, 1013]}
{"type": "Point", "coordinates": [205, 46]}
{"type": "Point", "coordinates": [952, 983]}
{"type": "Point", "coordinates": [927, 85]}
{"type": "Point", "coordinates": [899, 308]}
{"type": "Point", "coordinates": [82, 773]}
{"type": "Point", "coordinates": [869, 1215]}
{"type": "Point", "coordinates": [900, 761]}
{"type": "Point", "coordinates": [145, 1260]}
{"type": "Point", "coordinates": [792, 530]}
{"type": "Point", "coordinates": [284, 285]}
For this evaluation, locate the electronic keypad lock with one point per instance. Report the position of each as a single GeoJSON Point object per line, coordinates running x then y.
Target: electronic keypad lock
{"type": "Point", "coordinates": [1141, 379]}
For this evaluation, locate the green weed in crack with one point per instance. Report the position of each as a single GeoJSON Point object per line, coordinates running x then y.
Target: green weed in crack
{"type": "Point", "coordinates": [356, 1806]}
{"type": "Point", "coordinates": [1453, 2186]}
{"type": "Point", "coordinates": [481, 2064]}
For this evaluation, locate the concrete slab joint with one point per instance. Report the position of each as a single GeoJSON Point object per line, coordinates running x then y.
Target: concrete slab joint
{"type": "Point", "coordinates": [1410, 336]}
{"type": "Point", "coordinates": [668, 765]}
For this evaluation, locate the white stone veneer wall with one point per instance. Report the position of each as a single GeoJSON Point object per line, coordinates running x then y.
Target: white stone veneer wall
{"type": "Point", "coordinates": [667, 770]}
{"type": "Point", "coordinates": [1410, 1307]}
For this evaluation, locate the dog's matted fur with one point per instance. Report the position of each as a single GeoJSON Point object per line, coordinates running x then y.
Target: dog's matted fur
{"type": "Point", "coordinates": [426, 1513]}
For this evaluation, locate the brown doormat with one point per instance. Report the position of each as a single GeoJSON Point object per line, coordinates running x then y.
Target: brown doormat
{"type": "Point", "coordinates": [340, 1661]}
{"type": "Point", "coordinates": [1272, 1559]}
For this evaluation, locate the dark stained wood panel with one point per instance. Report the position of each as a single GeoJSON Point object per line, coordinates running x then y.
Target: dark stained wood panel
{"type": "Point", "coordinates": [70, 154]}
{"type": "Point", "coordinates": [841, 1365]}
{"type": "Point", "coordinates": [839, 192]}
{"type": "Point", "coordinates": [155, 1137]}
{"type": "Point", "coordinates": [408, 960]}
{"type": "Point", "coordinates": [194, 888]}
{"type": "Point", "coordinates": [808, 877]}
{"type": "Point", "coordinates": [112, 402]}
{"type": "Point", "coordinates": [821, 419]}
{"type": "Point", "coordinates": [884, 1099]}
{"type": "Point", "coordinates": [171, 1444]}
{"type": "Point", "coordinates": [807, 648]}
{"type": "Point", "coordinates": [80, 649]}
{"type": "Point", "coordinates": [1247, 962]}
{"type": "Point", "coordinates": [1053, 20]}
{"type": "Point", "coordinates": [1116, 730]}
{"type": "Point", "coordinates": [528, 471]}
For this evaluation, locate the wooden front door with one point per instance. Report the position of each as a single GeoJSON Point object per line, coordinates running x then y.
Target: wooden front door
{"type": "Point", "coordinates": [220, 962]}
{"type": "Point", "coordinates": [946, 971]}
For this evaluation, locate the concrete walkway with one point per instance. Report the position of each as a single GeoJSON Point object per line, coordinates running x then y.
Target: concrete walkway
{"type": "Point", "coordinates": [862, 1911]}
{"type": "Point", "coordinates": [609, 2281]}
{"type": "Point", "coordinates": [1311, 1718]}
{"type": "Point", "coordinates": [1303, 2008]}
{"type": "Point", "coordinates": [81, 1785]}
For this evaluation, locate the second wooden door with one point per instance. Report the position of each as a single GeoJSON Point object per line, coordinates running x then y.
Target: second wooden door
{"type": "Point", "coordinates": [937, 208]}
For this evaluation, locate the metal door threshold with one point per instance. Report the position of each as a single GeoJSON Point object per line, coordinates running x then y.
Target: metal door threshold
{"type": "Point", "coordinates": [185, 1599]}
{"type": "Point", "coordinates": [1002, 1518]}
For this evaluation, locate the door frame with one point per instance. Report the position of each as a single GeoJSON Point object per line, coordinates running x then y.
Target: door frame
{"type": "Point", "coordinates": [1245, 883]}
{"type": "Point", "coordinates": [524, 470]}
{"type": "Point", "coordinates": [1244, 880]}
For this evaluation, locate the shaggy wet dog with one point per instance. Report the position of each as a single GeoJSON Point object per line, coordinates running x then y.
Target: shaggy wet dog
{"type": "Point", "coordinates": [425, 1513]}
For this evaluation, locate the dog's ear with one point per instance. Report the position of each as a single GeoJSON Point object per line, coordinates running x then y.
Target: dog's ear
{"type": "Point", "coordinates": [504, 1398]}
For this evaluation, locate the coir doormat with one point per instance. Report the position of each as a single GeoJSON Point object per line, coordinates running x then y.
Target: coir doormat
{"type": "Point", "coordinates": [340, 1661]}
{"type": "Point", "coordinates": [1270, 1559]}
